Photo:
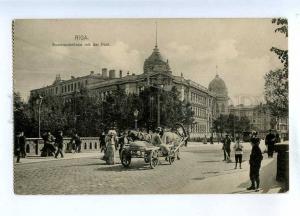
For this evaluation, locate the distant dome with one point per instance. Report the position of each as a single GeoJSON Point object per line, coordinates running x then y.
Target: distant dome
{"type": "Point", "coordinates": [218, 86]}
{"type": "Point", "coordinates": [155, 63]}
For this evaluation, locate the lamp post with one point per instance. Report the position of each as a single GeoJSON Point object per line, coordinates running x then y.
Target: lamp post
{"type": "Point", "coordinates": [75, 111]}
{"type": "Point", "coordinates": [158, 104]}
{"type": "Point", "coordinates": [135, 114]}
{"type": "Point", "coordinates": [40, 100]}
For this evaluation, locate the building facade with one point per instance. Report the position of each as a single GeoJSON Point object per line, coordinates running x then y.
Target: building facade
{"type": "Point", "coordinates": [261, 119]}
{"type": "Point", "coordinates": [206, 103]}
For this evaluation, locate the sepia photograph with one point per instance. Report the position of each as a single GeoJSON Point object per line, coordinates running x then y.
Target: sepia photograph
{"type": "Point", "coordinates": [150, 106]}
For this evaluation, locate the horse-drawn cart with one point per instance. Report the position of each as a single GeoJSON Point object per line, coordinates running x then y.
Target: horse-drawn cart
{"type": "Point", "coordinates": [151, 153]}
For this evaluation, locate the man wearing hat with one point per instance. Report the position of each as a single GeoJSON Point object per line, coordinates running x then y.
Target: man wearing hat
{"type": "Point", "coordinates": [270, 143]}
{"type": "Point", "coordinates": [59, 143]}
{"type": "Point", "coordinates": [255, 162]}
{"type": "Point", "coordinates": [20, 142]}
{"type": "Point", "coordinates": [226, 146]}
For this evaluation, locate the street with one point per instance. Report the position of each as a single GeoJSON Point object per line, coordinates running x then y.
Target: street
{"type": "Point", "coordinates": [90, 175]}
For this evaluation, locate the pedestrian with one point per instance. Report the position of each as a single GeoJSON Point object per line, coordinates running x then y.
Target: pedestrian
{"type": "Point", "coordinates": [110, 141]}
{"type": "Point", "coordinates": [102, 141]}
{"type": "Point", "coordinates": [270, 143]}
{"type": "Point", "coordinates": [22, 141]}
{"type": "Point", "coordinates": [121, 142]}
{"type": "Point", "coordinates": [204, 140]}
{"type": "Point", "coordinates": [238, 153]}
{"type": "Point", "coordinates": [76, 143]}
{"type": "Point", "coordinates": [48, 149]}
{"type": "Point", "coordinates": [227, 149]}
{"type": "Point", "coordinates": [18, 144]}
{"type": "Point", "coordinates": [59, 143]}
{"type": "Point", "coordinates": [255, 162]}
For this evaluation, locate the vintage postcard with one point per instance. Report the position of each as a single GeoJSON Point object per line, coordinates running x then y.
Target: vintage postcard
{"type": "Point", "coordinates": [150, 106]}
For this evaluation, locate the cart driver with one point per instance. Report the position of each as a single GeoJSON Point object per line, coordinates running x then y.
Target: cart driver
{"type": "Point", "coordinates": [157, 141]}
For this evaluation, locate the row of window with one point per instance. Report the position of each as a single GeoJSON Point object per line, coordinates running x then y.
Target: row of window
{"type": "Point", "coordinates": [198, 98]}
{"type": "Point", "coordinates": [73, 86]}
{"type": "Point", "coordinates": [199, 112]}
{"type": "Point", "coordinates": [65, 88]}
{"type": "Point", "coordinates": [199, 128]}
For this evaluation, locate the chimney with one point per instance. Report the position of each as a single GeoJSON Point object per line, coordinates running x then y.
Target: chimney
{"type": "Point", "coordinates": [121, 73]}
{"type": "Point", "coordinates": [104, 72]}
{"type": "Point", "coordinates": [112, 74]}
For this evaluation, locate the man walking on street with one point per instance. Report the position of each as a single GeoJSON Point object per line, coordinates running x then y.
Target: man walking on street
{"type": "Point", "coordinates": [77, 143]}
{"type": "Point", "coordinates": [226, 148]}
{"type": "Point", "coordinates": [22, 141]}
{"type": "Point", "coordinates": [20, 145]}
{"type": "Point", "coordinates": [102, 141]}
{"type": "Point", "coordinates": [59, 143]}
{"type": "Point", "coordinates": [255, 163]}
{"type": "Point", "coordinates": [270, 142]}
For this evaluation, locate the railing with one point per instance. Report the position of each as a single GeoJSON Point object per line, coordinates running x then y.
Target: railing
{"type": "Point", "coordinates": [34, 145]}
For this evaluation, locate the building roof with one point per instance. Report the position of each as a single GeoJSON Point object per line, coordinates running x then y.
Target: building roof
{"type": "Point", "coordinates": [156, 63]}
{"type": "Point", "coordinates": [218, 86]}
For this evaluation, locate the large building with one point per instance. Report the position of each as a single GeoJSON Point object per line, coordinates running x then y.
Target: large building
{"type": "Point", "coordinates": [261, 119]}
{"type": "Point", "coordinates": [207, 103]}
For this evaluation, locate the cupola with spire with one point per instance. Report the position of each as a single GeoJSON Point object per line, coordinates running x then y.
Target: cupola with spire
{"type": "Point", "coordinates": [155, 62]}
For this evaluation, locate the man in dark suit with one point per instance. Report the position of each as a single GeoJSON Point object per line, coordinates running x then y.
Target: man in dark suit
{"type": "Point", "coordinates": [255, 162]}
{"type": "Point", "coordinates": [77, 141]}
{"type": "Point", "coordinates": [22, 142]}
{"type": "Point", "coordinates": [270, 143]}
{"type": "Point", "coordinates": [227, 149]}
{"type": "Point", "coordinates": [59, 141]}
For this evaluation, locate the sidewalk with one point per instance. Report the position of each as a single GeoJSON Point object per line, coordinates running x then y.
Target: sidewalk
{"type": "Point", "coordinates": [236, 181]}
{"type": "Point", "coordinates": [67, 156]}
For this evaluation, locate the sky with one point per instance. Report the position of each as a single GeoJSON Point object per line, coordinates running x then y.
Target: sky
{"type": "Point", "coordinates": [238, 50]}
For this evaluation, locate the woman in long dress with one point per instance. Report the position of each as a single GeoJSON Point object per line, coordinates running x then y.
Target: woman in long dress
{"type": "Point", "coordinates": [111, 140]}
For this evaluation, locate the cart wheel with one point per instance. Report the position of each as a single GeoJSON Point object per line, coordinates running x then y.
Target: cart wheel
{"type": "Point", "coordinates": [125, 158]}
{"type": "Point", "coordinates": [153, 159]}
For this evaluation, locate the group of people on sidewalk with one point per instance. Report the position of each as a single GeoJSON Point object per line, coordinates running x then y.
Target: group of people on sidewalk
{"type": "Point", "coordinates": [256, 154]}
{"type": "Point", "coordinates": [53, 145]}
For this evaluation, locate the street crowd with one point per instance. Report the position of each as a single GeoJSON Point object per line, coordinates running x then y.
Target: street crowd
{"type": "Point", "coordinates": [256, 155]}
{"type": "Point", "coordinates": [112, 141]}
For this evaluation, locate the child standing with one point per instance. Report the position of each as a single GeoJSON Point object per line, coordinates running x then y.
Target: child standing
{"type": "Point", "coordinates": [255, 162]}
{"type": "Point", "coordinates": [238, 152]}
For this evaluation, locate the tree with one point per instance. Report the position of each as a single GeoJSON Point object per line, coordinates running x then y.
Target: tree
{"type": "Point", "coordinates": [231, 124]}
{"type": "Point", "coordinates": [220, 124]}
{"type": "Point", "coordinates": [22, 120]}
{"type": "Point", "coordinates": [276, 93]}
{"type": "Point", "coordinates": [276, 81]}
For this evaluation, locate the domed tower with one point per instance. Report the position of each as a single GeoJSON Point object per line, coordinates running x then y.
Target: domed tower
{"type": "Point", "coordinates": [218, 87]}
{"type": "Point", "coordinates": [155, 62]}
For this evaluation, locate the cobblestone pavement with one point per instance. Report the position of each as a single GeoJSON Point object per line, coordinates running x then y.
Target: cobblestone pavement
{"type": "Point", "coordinates": [92, 176]}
